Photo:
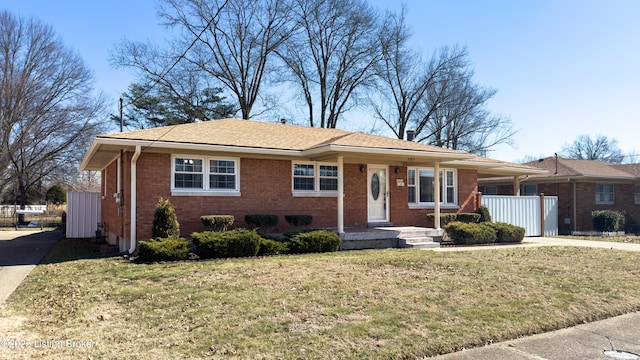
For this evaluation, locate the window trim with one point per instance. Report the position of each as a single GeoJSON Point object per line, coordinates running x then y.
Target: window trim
{"type": "Point", "coordinates": [524, 193]}
{"type": "Point", "coordinates": [316, 192]}
{"type": "Point", "coordinates": [205, 190]}
{"type": "Point", "coordinates": [636, 194]}
{"type": "Point", "coordinates": [443, 186]}
{"type": "Point", "coordinates": [613, 194]}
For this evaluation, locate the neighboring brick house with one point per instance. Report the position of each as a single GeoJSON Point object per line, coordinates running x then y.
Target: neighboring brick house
{"type": "Point", "coordinates": [581, 187]}
{"type": "Point", "coordinates": [242, 167]}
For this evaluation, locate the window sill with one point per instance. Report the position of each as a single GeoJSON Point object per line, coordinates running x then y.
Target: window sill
{"type": "Point", "coordinates": [314, 194]}
{"type": "Point", "coordinates": [205, 193]}
{"type": "Point", "coordinates": [442, 206]}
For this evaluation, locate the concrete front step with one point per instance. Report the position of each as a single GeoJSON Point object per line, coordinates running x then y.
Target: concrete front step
{"type": "Point", "coordinates": [397, 236]}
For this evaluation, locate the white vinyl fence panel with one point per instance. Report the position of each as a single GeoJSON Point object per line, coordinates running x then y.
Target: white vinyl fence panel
{"type": "Point", "coordinates": [524, 211]}
{"type": "Point", "coordinates": [83, 214]}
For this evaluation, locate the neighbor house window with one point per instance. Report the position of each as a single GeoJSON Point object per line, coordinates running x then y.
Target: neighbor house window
{"type": "Point", "coordinates": [529, 190]}
{"type": "Point", "coordinates": [490, 190]}
{"type": "Point", "coordinates": [221, 174]}
{"type": "Point", "coordinates": [315, 177]}
{"type": "Point", "coordinates": [420, 186]}
{"type": "Point", "coordinates": [604, 194]}
{"type": "Point", "coordinates": [636, 194]}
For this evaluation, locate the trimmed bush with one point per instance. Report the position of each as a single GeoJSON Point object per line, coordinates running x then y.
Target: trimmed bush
{"type": "Point", "coordinates": [314, 241]}
{"type": "Point", "coordinates": [506, 233]}
{"type": "Point", "coordinates": [485, 216]}
{"type": "Point", "coordinates": [263, 222]}
{"type": "Point", "coordinates": [271, 247]}
{"type": "Point", "coordinates": [464, 234]}
{"type": "Point", "coordinates": [288, 235]}
{"type": "Point", "coordinates": [607, 220]}
{"type": "Point", "coordinates": [217, 222]}
{"type": "Point", "coordinates": [234, 243]}
{"type": "Point", "coordinates": [163, 249]}
{"type": "Point", "coordinates": [165, 222]}
{"type": "Point", "coordinates": [299, 220]}
{"type": "Point", "coordinates": [446, 218]}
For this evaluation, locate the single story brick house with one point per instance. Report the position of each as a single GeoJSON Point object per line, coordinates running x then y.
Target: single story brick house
{"type": "Point", "coordinates": [345, 180]}
{"type": "Point", "coordinates": [581, 187]}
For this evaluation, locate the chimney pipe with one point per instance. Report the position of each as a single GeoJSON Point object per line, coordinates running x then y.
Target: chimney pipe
{"type": "Point", "coordinates": [411, 135]}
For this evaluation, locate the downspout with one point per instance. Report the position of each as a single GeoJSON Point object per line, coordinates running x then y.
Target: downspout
{"type": "Point", "coordinates": [340, 195]}
{"type": "Point", "coordinates": [134, 159]}
{"type": "Point", "coordinates": [436, 195]}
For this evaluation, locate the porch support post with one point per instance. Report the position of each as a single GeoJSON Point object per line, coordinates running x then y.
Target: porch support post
{"type": "Point", "coordinates": [516, 185]}
{"type": "Point", "coordinates": [133, 200]}
{"type": "Point", "coordinates": [436, 195]}
{"type": "Point", "coordinates": [340, 194]}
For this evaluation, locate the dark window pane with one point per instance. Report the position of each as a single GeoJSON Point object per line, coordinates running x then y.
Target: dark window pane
{"type": "Point", "coordinates": [328, 184]}
{"type": "Point", "coordinates": [188, 181]}
{"type": "Point", "coordinates": [222, 181]}
{"type": "Point", "coordinates": [300, 183]}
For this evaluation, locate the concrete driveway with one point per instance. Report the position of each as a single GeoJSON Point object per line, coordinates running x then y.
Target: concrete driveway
{"type": "Point", "coordinates": [20, 252]}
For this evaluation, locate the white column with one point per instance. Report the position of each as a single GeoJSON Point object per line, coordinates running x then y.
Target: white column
{"type": "Point", "coordinates": [436, 195]}
{"type": "Point", "coordinates": [516, 185]}
{"type": "Point", "coordinates": [133, 200]}
{"type": "Point", "coordinates": [340, 194]}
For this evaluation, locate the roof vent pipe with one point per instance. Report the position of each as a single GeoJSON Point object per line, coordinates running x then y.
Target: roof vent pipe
{"type": "Point", "coordinates": [411, 135]}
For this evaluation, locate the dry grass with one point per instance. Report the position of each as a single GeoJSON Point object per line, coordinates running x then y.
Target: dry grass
{"type": "Point", "coordinates": [388, 304]}
{"type": "Point", "coordinates": [623, 239]}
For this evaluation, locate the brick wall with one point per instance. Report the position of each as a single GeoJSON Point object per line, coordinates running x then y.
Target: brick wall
{"type": "Point", "coordinates": [265, 189]}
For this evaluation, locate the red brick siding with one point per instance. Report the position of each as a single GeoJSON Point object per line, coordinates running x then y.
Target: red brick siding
{"type": "Point", "coordinates": [265, 187]}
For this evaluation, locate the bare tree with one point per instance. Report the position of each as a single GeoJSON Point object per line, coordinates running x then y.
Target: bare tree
{"type": "Point", "coordinates": [598, 148]}
{"type": "Point", "coordinates": [331, 56]}
{"type": "Point", "coordinates": [236, 39]}
{"type": "Point", "coordinates": [47, 111]}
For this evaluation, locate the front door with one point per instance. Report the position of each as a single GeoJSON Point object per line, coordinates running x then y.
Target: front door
{"type": "Point", "coordinates": [378, 193]}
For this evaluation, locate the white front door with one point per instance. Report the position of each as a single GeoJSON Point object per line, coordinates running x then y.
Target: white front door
{"type": "Point", "coordinates": [378, 193]}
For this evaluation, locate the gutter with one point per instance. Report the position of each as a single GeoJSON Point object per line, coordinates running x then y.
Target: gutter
{"type": "Point", "coordinates": [134, 159]}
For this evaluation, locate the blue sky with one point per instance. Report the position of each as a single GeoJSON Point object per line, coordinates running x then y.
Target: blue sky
{"type": "Point", "coordinates": [562, 68]}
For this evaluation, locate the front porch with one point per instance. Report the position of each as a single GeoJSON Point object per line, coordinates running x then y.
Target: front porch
{"type": "Point", "coordinates": [391, 237]}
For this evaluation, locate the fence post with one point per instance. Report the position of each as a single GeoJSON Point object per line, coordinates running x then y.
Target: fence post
{"type": "Point", "coordinates": [542, 214]}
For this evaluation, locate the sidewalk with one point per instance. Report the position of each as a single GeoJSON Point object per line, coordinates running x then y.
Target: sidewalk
{"type": "Point", "coordinates": [614, 338]}
{"type": "Point", "coordinates": [20, 252]}
{"type": "Point", "coordinates": [619, 337]}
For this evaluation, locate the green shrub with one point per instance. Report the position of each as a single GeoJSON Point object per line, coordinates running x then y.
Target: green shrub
{"type": "Point", "coordinates": [464, 234]}
{"type": "Point", "coordinates": [234, 243]}
{"type": "Point", "coordinates": [485, 216]}
{"type": "Point", "coordinates": [607, 220]}
{"type": "Point", "coordinates": [165, 223]}
{"type": "Point", "coordinates": [299, 220]}
{"type": "Point", "coordinates": [272, 247]}
{"type": "Point", "coordinates": [288, 235]}
{"type": "Point", "coordinates": [314, 241]}
{"type": "Point", "coordinates": [506, 233]}
{"type": "Point", "coordinates": [446, 218]}
{"type": "Point", "coordinates": [164, 249]}
{"type": "Point", "coordinates": [217, 222]}
{"type": "Point", "coordinates": [263, 222]}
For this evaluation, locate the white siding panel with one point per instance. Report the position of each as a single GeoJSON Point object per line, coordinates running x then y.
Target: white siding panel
{"type": "Point", "coordinates": [83, 214]}
{"type": "Point", "coordinates": [550, 215]}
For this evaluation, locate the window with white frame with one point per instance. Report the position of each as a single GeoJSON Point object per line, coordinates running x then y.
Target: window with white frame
{"type": "Point", "coordinates": [315, 177]}
{"type": "Point", "coordinates": [604, 194]}
{"type": "Point", "coordinates": [636, 194]}
{"type": "Point", "coordinates": [420, 186]}
{"type": "Point", "coordinates": [189, 174]}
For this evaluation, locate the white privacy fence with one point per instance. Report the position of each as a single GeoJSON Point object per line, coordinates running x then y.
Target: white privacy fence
{"type": "Point", "coordinates": [83, 214]}
{"type": "Point", "coordinates": [538, 215]}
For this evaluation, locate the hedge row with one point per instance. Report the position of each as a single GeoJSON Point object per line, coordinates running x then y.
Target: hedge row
{"type": "Point", "coordinates": [607, 220]}
{"type": "Point", "coordinates": [243, 243]}
{"type": "Point", "coordinates": [446, 218]}
{"type": "Point", "coordinates": [484, 233]}
{"type": "Point", "coordinates": [164, 249]}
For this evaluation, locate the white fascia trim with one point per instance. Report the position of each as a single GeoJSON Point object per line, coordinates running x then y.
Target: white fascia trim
{"type": "Point", "coordinates": [147, 144]}
{"type": "Point", "coordinates": [380, 151]}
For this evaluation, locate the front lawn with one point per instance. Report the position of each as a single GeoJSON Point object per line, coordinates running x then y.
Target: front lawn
{"type": "Point", "coordinates": [623, 239]}
{"type": "Point", "coordinates": [384, 304]}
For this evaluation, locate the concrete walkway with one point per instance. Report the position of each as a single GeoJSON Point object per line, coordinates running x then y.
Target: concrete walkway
{"type": "Point", "coordinates": [614, 338]}
{"type": "Point", "coordinates": [20, 252]}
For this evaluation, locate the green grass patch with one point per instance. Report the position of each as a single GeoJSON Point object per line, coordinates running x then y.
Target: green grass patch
{"type": "Point", "coordinates": [379, 304]}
